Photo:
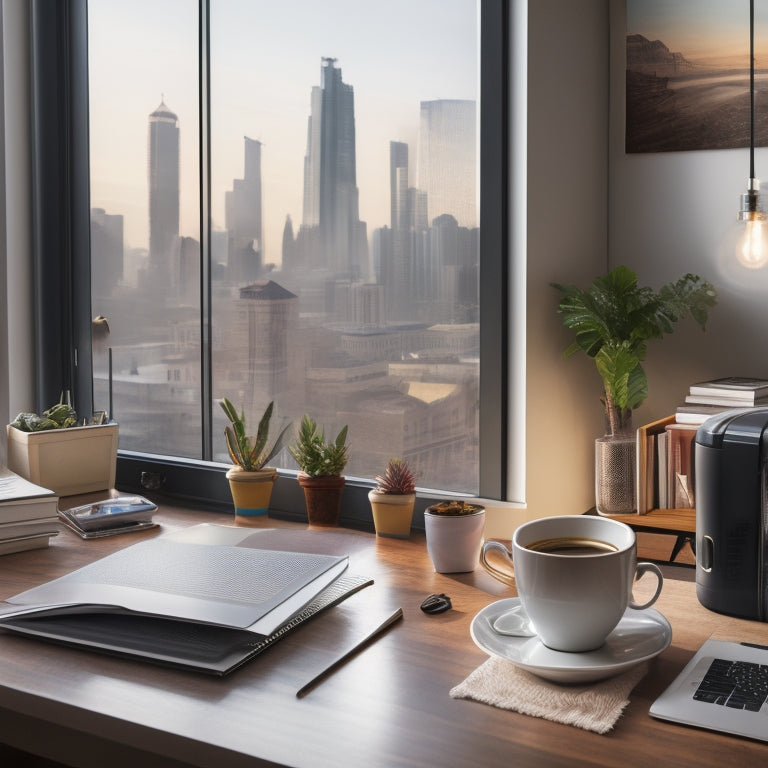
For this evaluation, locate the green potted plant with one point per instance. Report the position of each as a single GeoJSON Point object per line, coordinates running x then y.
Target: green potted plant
{"type": "Point", "coordinates": [392, 500]}
{"type": "Point", "coordinates": [250, 481]}
{"type": "Point", "coordinates": [613, 320]}
{"type": "Point", "coordinates": [454, 532]}
{"type": "Point", "coordinates": [59, 451]}
{"type": "Point", "coordinates": [321, 463]}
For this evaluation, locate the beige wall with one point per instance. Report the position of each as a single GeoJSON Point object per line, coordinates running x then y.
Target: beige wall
{"type": "Point", "coordinates": [591, 207]}
{"type": "Point", "coordinates": [567, 176]}
{"type": "Point", "coordinates": [670, 214]}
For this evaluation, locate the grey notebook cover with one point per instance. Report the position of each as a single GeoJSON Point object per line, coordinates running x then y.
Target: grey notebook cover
{"type": "Point", "coordinates": [174, 600]}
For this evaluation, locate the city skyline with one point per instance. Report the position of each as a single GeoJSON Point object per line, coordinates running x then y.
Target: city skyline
{"type": "Point", "coordinates": [275, 109]}
{"type": "Point", "coordinates": [372, 317]}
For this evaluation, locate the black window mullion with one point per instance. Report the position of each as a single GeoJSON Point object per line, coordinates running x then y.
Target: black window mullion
{"type": "Point", "coordinates": [60, 202]}
{"type": "Point", "coordinates": [494, 285]}
{"type": "Point", "coordinates": [206, 328]}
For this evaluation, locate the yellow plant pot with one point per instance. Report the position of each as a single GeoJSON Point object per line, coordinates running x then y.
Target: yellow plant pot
{"type": "Point", "coordinates": [392, 513]}
{"type": "Point", "coordinates": [251, 492]}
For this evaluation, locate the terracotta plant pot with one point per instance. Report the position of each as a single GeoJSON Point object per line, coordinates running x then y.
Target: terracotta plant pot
{"type": "Point", "coordinates": [251, 492]}
{"type": "Point", "coordinates": [454, 542]}
{"type": "Point", "coordinates": [323, 498]}
{"type": "Point", "coordinates": [392, 513]}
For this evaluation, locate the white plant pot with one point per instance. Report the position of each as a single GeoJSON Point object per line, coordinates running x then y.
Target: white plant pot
{"type": "Point", "coordinates": [454, 542]}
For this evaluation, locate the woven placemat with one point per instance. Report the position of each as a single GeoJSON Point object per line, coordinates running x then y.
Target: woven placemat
{"type": "Point", "coordinates": [593, 707]}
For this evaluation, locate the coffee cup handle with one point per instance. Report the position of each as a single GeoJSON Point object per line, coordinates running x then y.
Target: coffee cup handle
{"type": "Point", "coordinates": [639, 571]}
{"type": "Point", "coordinates": [507, 577]}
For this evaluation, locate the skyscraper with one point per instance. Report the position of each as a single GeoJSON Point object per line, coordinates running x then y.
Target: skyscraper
{"type": "Point", "coordinates": [107, 251]}
{"type": "Point", "coordinates": [267, 317]}
{"type": "Point", "coordinates": [330, 188]}
{"type": "Point", "coordinates": [447, 159]}
{"type": "Point", "coordinates": [244, 218]}
{"type": "Point", "coordinates": [163, 164]}
{"type": "Point", "coordinates": [394, 271]}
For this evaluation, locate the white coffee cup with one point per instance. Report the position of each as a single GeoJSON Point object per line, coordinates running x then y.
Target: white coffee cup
{"type": "Point", "coordinates": [574, 577]}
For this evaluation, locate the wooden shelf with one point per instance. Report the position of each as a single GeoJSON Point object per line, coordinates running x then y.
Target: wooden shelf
{"type": "Point", "coordinates": [675, 522]}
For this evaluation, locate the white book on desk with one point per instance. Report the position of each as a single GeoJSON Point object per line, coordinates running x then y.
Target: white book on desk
{"type": "Point", "coordinates": [205, 600]}
{"type": "Point", "coordinates": [22, 500]}
{"type": "Point", "coordinates": [42, 526]}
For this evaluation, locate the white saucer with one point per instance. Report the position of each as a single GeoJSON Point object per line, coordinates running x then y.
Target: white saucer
{"type": "Point", "coordinates": [640, 635]}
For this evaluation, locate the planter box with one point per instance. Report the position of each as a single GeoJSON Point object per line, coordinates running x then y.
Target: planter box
{"type": "Point", "coordinates": [66, 461]}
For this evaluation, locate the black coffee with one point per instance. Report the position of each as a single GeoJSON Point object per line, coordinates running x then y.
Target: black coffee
{"type": "Point", "coordinates": [575, 546]}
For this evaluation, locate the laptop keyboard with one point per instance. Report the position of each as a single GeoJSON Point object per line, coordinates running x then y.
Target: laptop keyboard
{"type": "Point", "coordinates": [736, 684]}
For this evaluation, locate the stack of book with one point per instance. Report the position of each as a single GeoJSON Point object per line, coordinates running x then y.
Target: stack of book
{"type": "Point", "coordinates": [665, 465]}
{"type": "Point", "coordinates": [708, 398]}
{"type": "Point", "coordinates": [28, 514]}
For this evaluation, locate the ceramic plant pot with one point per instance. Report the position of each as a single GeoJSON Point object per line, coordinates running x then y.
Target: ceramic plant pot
{"type": "Point", "coordinates": [323, 498]}
{"type": "Point", "coordinates": [454, 542]}
{"type": "Point", "coordinates": [615, 469]}
{"type": "Point", "coordinates": [392, 513]}
{"type": "Point", "coordinates": [251, 493]}
{"type": "Point", "coordinates": [66, 461]}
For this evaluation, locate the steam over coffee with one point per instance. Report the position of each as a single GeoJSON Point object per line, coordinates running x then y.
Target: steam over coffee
{"type": "Point", "coordinates": [572, 545]}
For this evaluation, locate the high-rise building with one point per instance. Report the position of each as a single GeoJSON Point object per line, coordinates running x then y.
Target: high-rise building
{"type": "Point", "coordinates": [243, 215]}
{"type": "Point", "coordinates": [163, 165]}
{"type": "Point", "coordinates": [393, 272]}
{"type": "Point", "coordinates": [107, 251]}
{"type": "Point", "coordinates": [398, 182]}
{"type": "Point", "coordinates": [267, 321]}
{"type": "Point", "coordinates": [447, 159]}
{"type": "Point", "coordinates": [331, 220]}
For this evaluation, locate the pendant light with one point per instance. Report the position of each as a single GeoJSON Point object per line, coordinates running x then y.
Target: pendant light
{"type": "Point", "coordinates": [752, 244]}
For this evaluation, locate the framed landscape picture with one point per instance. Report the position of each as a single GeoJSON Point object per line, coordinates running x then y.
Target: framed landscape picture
{"type": "Point", "coordinates": [687, 75]}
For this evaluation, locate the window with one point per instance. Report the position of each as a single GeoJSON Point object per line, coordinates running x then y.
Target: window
{"type": "Point", "coordinates": [285, 205]}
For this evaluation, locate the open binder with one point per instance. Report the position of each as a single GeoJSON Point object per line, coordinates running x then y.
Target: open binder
{"type": "Point", "coordinates": [208, 598]}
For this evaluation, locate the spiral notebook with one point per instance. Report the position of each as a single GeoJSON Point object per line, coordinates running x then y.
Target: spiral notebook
{"type": "Point", "coordinates": [208, 598]}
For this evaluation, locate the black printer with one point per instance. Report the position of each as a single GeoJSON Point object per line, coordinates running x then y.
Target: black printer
{"type": "Point", "coordinates": [731, 453]}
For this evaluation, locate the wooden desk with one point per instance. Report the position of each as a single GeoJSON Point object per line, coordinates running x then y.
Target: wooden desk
{"type": "Point", "coordinates": [388, 706]}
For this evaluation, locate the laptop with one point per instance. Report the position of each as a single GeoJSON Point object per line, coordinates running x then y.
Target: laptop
{"type": "Point", "coordinates": [724, 687]}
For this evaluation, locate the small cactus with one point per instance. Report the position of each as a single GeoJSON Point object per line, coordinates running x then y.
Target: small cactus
{"type": "Point", "coordinates": [397, 478]}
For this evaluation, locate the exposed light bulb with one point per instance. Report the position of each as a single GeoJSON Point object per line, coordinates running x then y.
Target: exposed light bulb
{"type": "Point", "coordinates": [752, 245]}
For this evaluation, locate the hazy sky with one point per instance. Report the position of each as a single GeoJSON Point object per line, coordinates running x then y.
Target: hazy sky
{"type": "Point", "coordinates": [265, 59]}
{"type": "Point", "coordinates": [713, 32]}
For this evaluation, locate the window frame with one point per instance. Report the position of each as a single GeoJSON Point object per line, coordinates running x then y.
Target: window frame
{"type": "Point", "coordinates": [59, 54]}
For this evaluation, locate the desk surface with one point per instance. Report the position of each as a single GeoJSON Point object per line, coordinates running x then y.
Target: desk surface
{"type": "Point", "coordinates": [389, 705]}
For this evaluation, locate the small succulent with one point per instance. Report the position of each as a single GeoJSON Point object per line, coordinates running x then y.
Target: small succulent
{"type": "Point", "coordinates": [59, 416]}
{"type": "Point", "coordinates": [315, 456]}
{"type": "Point", "coordinates": [250, 455]}
{"type": "Point", "coordinates": [397, 478]}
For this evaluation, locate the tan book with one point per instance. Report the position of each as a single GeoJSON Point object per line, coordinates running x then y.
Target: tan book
{"type": "Point", "coordinates": [646, 484]}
